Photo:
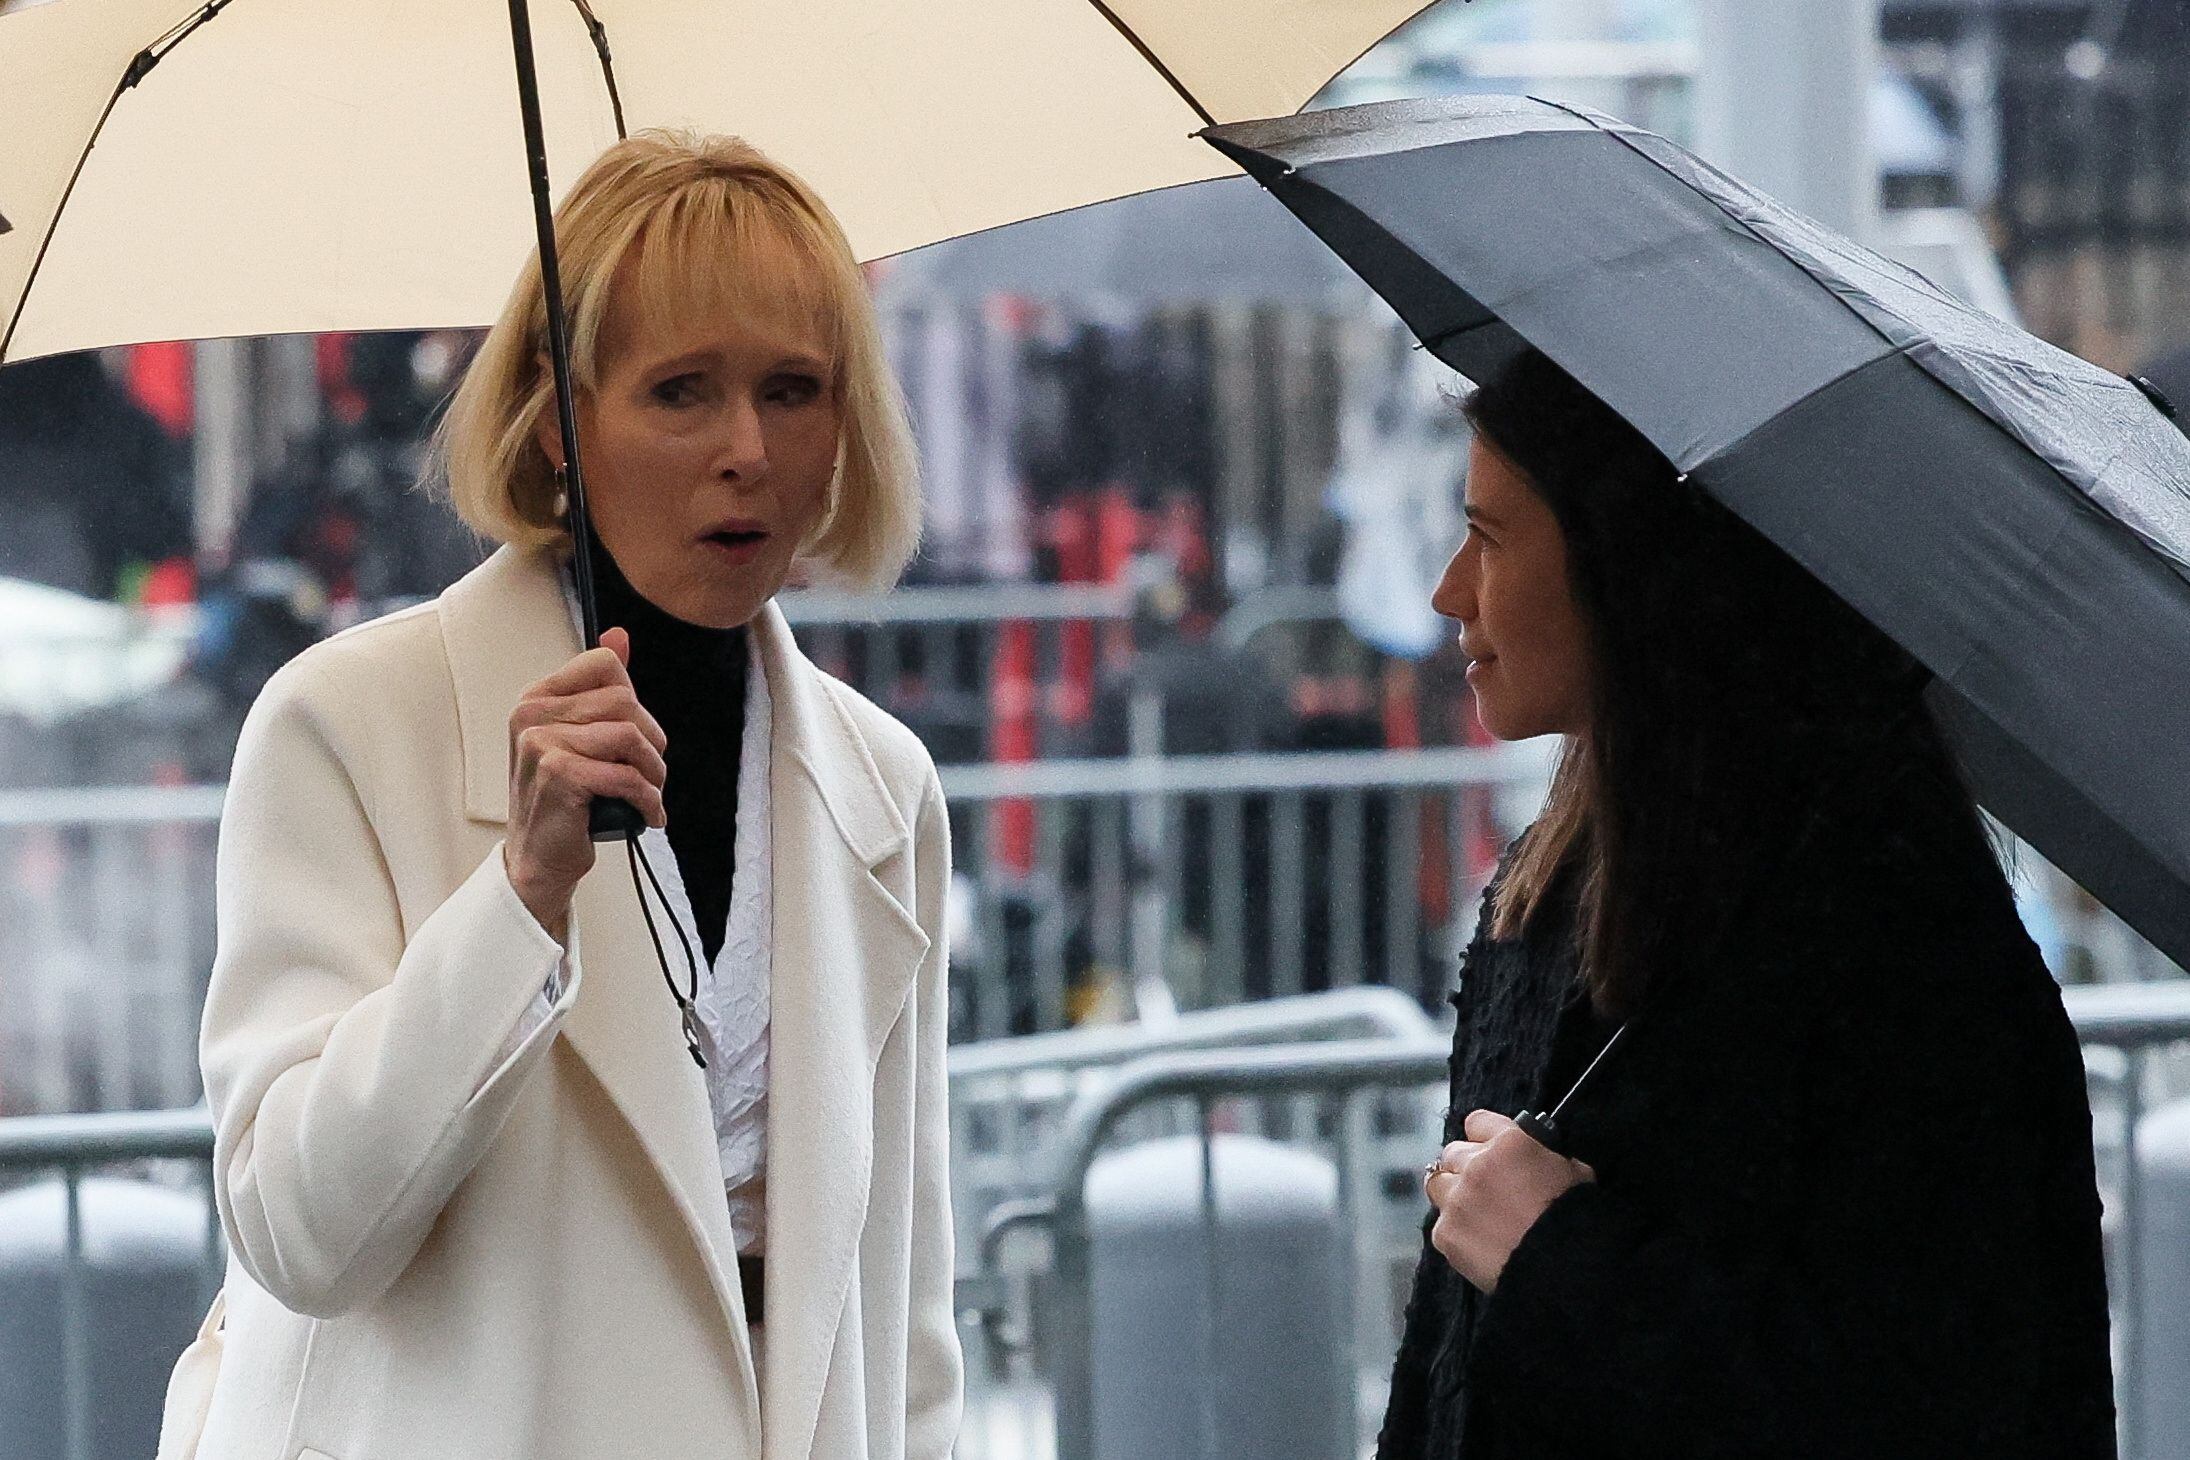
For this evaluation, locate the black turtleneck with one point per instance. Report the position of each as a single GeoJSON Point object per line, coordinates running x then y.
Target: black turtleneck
{"type": "Point", "coordinates": [692, 680]}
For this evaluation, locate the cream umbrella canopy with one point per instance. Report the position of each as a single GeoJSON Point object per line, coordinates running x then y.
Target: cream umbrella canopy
{"type": "Point", "coordinates": [237, 167]}
{"type": "Point", "coordinates": [179, 171]}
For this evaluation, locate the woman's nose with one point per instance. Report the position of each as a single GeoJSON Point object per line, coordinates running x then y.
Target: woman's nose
{"type": "Point", "coordinates": [1455, 595]}
{"type": "Point", "coordinates": [743, 451]}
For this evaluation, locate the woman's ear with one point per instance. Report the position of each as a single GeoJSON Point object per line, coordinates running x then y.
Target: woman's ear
{"type": "Point", "coordinates": [547, 430]}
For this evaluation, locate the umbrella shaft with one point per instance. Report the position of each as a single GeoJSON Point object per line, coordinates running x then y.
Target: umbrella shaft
{"type": "Point", "coordinates": [558, 329]}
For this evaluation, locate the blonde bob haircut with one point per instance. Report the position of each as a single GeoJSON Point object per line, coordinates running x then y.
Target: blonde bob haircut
{"type": "Point", "coordinates": [706, 224]}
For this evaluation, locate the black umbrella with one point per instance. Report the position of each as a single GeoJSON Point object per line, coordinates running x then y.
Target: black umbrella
{"type": "Point", "coordinates": [1217, 240]}
{"type": "Point", "coordinates": [2171, 373]}
{"type": "Point", "coordinates": [2016, 518]}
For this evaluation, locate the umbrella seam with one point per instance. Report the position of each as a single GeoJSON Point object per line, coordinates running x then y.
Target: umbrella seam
{"type": "Point", "coordinates": [53, 224]}
{"type": "Point", "coordinates": [1894, 352]}
{"type": "Point", "coordinates": [1721, 209]}
{"type": "Point", "coordinates": [2078, 497]}
{"type": "Point", "coordinates": [1133, 39]}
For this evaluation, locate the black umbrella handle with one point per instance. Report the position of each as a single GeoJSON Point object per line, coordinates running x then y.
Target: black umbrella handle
{"type": "Point", "coordinates": [610, 820]}
{"type": "Point", "coordinates": [1541, 1129]}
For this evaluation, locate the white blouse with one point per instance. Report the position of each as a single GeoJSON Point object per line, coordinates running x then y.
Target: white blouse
{"type": "Point", "coordinates": [733, 996]}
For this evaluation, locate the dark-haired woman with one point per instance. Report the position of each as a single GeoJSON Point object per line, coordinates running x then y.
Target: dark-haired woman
{"type": "Point", "coordinates": [1832, 1194]}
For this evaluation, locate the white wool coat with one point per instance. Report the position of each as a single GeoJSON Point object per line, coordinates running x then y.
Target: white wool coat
{"type": "Point", "coordinates": [441, 1250]}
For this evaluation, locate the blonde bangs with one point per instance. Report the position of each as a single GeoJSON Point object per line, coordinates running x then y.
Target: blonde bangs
{"type": "Point", "coordinates": [715, 251]}
{"type": "Point", "coordinates": [694, 227]}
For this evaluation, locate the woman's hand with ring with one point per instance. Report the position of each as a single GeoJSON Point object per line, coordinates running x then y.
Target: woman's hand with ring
{"type": "Point", "coordinates": [1489, 1190]}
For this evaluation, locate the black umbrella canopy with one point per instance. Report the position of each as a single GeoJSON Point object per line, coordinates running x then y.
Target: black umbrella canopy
{"type": "Point", "coordinates": [2015, 517]}
{"type": "Point", "coordinates": [2170, 373]}
{"type": "Point", "coordinates": [1218, 240]}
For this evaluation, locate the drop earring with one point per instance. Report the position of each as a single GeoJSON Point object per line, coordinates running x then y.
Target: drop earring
{"type": "Point", "coordinates": [562, 493]}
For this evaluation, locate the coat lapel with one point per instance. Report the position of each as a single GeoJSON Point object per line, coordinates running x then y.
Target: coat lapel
{"type": "Point", "coordinates": [846, 954]}
{"type": "Point", "coordinates": [846, 950]}
{"type": "Point", "coordinates": [505, 627]}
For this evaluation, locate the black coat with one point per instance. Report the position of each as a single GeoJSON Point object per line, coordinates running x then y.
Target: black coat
{"type": "Point", "coordinates": [1845, 1201]}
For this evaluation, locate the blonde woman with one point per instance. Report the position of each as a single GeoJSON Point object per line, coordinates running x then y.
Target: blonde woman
{"type": "Point", "coordinates": [480, 1198]}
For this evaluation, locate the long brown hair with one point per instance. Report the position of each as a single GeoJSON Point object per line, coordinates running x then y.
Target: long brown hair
{"type": "Point", "coordinates": [1733, 702]}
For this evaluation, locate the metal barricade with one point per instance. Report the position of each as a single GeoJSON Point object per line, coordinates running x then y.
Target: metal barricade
{"type": "Point", "coordinates": [2129, 1031]}
{"type": "Point", "coordinates": [954, 662]}
{"type": "Point", "coordinates": [1375, 1110]}
{"type": "Point", "coordinates": [1205, 881]}
{"type": "Point", "coordinates": [1010, 1097]}
{"type": "Point", "coordinates": [106, 939]}
{"type": "Point", "coordinates": [162, 1150]}
{"type": "Point", "coordinates": [1372, 1103]}
{"type": "Point", "coordinates": [1210, 880]}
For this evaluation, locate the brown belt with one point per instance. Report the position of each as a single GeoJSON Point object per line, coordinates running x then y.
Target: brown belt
{"type": "Point", "coordinates": [749, 1278]}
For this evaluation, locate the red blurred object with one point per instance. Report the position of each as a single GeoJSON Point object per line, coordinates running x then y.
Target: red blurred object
{"type": "Point", "coordinates": [170, 583]}
{"type": "Point", "coordinates": [331, 354]}
{"type": "Point", "coordinates": [1403, 731]}
{"type": "Point", "coordinates": [161, 379]}
{"type": "Point", "coordinates": [1072, 537]}
{"type": "Point", "coordinates": [1014, 740]}
{"type": "Point", "coordinates": [1402, 708]}
{"type": "Point", "coordinates": [1120, 531]}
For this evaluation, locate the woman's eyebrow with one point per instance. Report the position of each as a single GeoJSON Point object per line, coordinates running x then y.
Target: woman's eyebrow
{"type": "Point", "coordinates": [1477, 514]}
{"type": "Point", "coordinates": [681, 361]}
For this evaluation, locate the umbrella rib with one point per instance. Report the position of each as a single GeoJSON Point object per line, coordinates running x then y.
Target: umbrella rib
{"type": "Point", "coordinates": [1895, 347]}
{"type": "Point", "coordinates": [1742, 223]}
{"type": "Point", "coordinates": [599, 33]}
{"type": "Point", "coordinates": [1155, 61]}
{"type": "Point", "coordinates": [22, 300]}
{"type": "Point", "coordinates": [140, 66]}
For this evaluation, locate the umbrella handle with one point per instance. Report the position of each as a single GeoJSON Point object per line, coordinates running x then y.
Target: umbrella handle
{"type": "Point", "coordinates": [1541, 1129]}
{"type": "Point", "coordinates": [611, 820]}
{"type": "Point", "coordinates": [2154, 394]}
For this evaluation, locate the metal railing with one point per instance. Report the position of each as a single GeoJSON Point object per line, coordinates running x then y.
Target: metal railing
{"type": "Point", "coordinates": [106, 937]}
{"type": "Point", "coordinates": [1375, 1157]}
{"type": "Point", "coordinates": [1363, 1080]}
{"type": "Point", "coordinates": [1205, 881]}
{"type": "Point", "coordinates": [1010, 1098]}
{"type": "Point", "coordinates": [957, 663]}
{"type": "Point", "coordinates": [74, 1145]}
{"type": "Point", "coordinates": [2133, 1022]}
{"type": "Point", "coordinates": [1198, 882]}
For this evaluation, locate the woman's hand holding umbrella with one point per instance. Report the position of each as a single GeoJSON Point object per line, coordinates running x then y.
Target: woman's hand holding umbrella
{"type": "Point", "coordinates": [1489, 1190]}
{"type": "Point", "coordinates": [578, 734]}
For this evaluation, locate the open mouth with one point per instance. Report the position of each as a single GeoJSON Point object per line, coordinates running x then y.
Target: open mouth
{"type": "Point", "coordinates": [737, 539]}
